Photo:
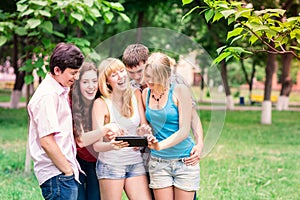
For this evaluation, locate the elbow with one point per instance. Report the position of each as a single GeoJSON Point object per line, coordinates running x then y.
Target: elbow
{"type": "Point", "coordinates": [79, 142]}
{"type": "Point", "coordinates": [47, 143]}
{"type": "Point", "coordinates": [95, 147]}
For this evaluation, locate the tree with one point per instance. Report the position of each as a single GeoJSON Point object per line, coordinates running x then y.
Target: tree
{"type": "Point", "coordinates": [40, 24]}
{"type": "Point", "coordinates": [252, 26]}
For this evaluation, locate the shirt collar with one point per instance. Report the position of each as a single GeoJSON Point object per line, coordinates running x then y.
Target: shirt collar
{"type": "Point", "coordinates": [59, 89]}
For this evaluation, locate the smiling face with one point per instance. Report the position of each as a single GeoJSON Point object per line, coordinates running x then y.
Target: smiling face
{"type": "Point", "coordinates": [67, 78]}
{"type": "Point", "coordinates": [118, 79]}
{"type": "Point", "coordinates": [136, 73]}
{"type": "Point", "coordinates": [89, 84]}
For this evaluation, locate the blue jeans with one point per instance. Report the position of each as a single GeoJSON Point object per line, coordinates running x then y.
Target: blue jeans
{"type": "Point", "coordinates": [60, 187]}
{"type": "Point", "coordinates": [89, 187]}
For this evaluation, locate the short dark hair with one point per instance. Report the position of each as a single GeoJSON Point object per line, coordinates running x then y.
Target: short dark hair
{"type": "Point", "coordinates": [134, 54]}
{"type": "Point", "coordinates": [66, 56]}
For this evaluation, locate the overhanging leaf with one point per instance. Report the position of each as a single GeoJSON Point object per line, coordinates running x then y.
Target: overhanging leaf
{"type": "Point", "coordinates": [108, 16]}
{"type": "Point", "coordinates": [125, 17]}
{"type": "Point", "coordinates": [253, 39]}
{"type": "Point", "coordinates": [33, 23]}
{"type": "Point", "coordinates": [45, 13]}
{"type": "Point", "coordinates": [2, 40]}
{"type": "Point", "coordinates": [188, 13]}
{"type": "Point", "coordinates": [227, 13]}
{"type": "Point", "coordinates": [21, 8]}
{"type": "Point", "coordinates": [221, 57]}
{"type": "Point", "coordinates": [77, 16]}
{"type": "Point", "coordinates": [219, 50]}
{"type": "Point", "coordinates": [184, 2]}
{"type": "Point", "coordinates": [234, 32]}
{"type": "Point", "coordinates": [47, 26]}
{"type": "Point", "coordinates": [95, 12]}
{"type": "Point", "coordinates": [236, 38]}
{"type": "Point", "coordinates": [21, 31]}
{"type": "Point", "coordinates": [29, 79]}
{"type": "Point", "coordinates": [89, 3]}
{"type": "Point", "coordinates": [27, 12]}
{"type": "Point", "coordinates": [40, 72]}
{"type": "Point", "coordinates": [279, 11]}
{"type": "Point", "coordinates": [40, 3]}
{"type": "Point", "coordinates": [294, 47]}
{"type": "Point", "coordinates": [295, 33]}
{"type": "Point", "coordinates": [217, 16]}
{"type": "Point", "coordinates": [117, 6]}
{"type": "Point", "coordinates": [209, 14]}
{"type": "Point", "coordinates": [58, 34]}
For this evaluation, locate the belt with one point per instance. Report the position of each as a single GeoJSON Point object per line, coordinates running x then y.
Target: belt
{"type": "Point", "coordinates": [167, 160]}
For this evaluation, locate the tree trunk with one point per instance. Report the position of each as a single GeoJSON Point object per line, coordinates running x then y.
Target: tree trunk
{"type": "Point", "coordinates": [139, 25]}
{"type": "Point", "coordinates": [286, 82]}
{"type": "Point", "coordinates": [19, 82]}
{"type": "Point", "coordinates": [266, 116]}
{"type": "Point", "coordinates": [229, 99]}
{"type": "Point", "coordinates": [252, 78]}
{"type": "Point", "coordinates": [249, 80]}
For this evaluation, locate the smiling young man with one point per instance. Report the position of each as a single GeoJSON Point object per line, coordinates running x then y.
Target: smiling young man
{"type": "Point", "coordinates": [134, 57]}
{"type": "Point", "coordinates": [51, 140]}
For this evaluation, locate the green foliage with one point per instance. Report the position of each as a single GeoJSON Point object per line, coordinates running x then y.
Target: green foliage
{"type": "Point", "coordinates": [36, 21]}
{"type": "Point", "coordinates": [252, 26]}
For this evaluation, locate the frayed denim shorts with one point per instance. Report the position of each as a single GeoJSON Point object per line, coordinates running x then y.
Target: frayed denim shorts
{"type": "Point", "coordinates": [165, 173]}
{"type": "Point", "coordinates": [106, 171]}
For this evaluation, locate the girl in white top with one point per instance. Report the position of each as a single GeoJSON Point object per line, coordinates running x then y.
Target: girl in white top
{"type": "Point", "coordinates": [119, 166]}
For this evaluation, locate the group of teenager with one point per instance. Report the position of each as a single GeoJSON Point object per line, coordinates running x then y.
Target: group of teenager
{"type": "Point", "coordinates": [78, 110]}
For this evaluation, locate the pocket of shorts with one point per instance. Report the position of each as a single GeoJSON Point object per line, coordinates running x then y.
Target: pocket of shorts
{"type": "Point", "coordinates": [152, 164]}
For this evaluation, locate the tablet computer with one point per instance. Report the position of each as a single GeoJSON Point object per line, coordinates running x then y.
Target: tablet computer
{"type": "Point", "coordinates": [134, 141]}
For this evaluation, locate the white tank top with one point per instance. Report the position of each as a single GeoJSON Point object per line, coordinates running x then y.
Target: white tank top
{"type": "Point", "coordinates": [127, 155]}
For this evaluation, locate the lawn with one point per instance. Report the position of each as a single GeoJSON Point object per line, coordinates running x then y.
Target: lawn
{"type": "Point", "coordinates": [249, 161]}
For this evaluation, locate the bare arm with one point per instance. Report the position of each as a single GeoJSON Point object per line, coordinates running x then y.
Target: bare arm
{"type": "Point", "coordinates": [99, 114]}
{"type": "Point", "coordinates": [141, 107]}
{"type": "Point", "coordinates": [51, 148]}
{"type": "Point", "coordinates": [198, 135]}
{"type": "Point", "coordinates": [88, 138]}
{"type": "Point", "coordinates": [184, 101]}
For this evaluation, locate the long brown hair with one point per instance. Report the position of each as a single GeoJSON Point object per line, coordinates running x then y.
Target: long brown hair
{"type": "Point", "coordinates": [81, 118]}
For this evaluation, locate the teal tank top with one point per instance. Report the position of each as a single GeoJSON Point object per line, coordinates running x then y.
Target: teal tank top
{"type": "Point", "coordinates": [164, 123]}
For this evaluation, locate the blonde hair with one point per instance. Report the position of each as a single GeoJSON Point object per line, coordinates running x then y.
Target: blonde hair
{"type": "Point", "coordinates": [106, 68]}
{"type": "Point", "coordinates": [160, 67]}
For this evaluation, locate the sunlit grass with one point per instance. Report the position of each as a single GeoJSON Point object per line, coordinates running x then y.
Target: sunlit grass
{"type": "Point", "coordinates": [249, 161]}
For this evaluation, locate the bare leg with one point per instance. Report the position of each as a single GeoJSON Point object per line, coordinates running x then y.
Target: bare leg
{"type": "Point", "coordinates": [182, 194]}
{"type": "Point", "coordinates": [111, 189]}
{"type": "Point", "coordinates": [137, 188]}
{"type": "Point", "coordinates": [164, 193]}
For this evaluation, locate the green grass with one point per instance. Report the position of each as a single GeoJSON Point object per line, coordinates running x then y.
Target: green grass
{"type": "Point", "coordinates": [249, 161]}
{"type": "Point", "coordinates": [5, 96]}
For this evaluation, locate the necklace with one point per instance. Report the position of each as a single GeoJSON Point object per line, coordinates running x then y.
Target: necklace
{"type": "Point", "coordinates": [157, 99]}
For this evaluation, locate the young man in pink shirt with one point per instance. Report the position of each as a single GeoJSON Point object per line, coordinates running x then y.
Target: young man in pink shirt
{"type": "Point", "coordinates": [51, 139]}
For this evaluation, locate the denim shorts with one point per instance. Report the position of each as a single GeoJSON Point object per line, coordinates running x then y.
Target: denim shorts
{"type": "Point", "coordinates": [108, 171]}
{"type": "Point", "coordinates": [165, 173]}
{"type": "Point", "coordinates": [60, 187]}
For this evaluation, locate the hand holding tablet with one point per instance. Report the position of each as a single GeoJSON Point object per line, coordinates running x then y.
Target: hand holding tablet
{"type": "Point", "coordinates": [134, 141]}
